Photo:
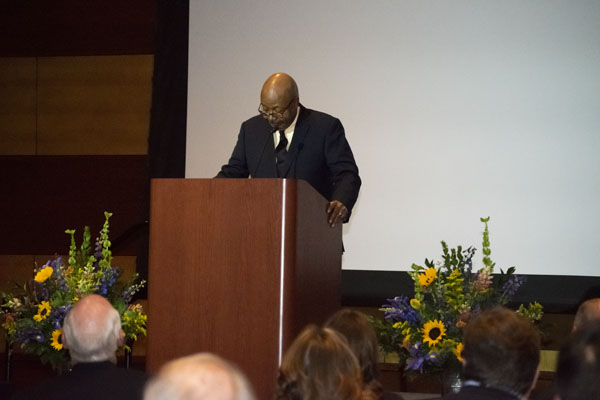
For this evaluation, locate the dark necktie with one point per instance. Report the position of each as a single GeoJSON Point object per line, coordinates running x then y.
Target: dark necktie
{"type": "Point", "coordinates": [281, 154]}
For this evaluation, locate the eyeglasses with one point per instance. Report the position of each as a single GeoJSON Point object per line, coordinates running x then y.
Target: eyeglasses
{"type": "Point", "coordinates": [274, 114]}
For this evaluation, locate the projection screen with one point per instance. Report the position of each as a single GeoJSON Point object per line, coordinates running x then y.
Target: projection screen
{"type": "Point", "coordinates": [455, 110]}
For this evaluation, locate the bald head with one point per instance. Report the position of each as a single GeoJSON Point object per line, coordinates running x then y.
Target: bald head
{"type": "Point", "coordinates": [92, 330]}
{"type": "Point", "coordinates": [201, 376]}
{"type": "Point", "coordinates": [587, 312]}
{"type": "Point", "coordinates": [279, 99]}
{"type": "Point", "coordinates": [280, 85]}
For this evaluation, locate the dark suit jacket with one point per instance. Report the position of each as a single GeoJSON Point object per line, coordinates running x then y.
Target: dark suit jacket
{"type": "Point", "coordinates": [319, 154]}
{"type": "Point", "coordinates": [90, 381]}
{"type": "Point", "coordinates": [480, 393]}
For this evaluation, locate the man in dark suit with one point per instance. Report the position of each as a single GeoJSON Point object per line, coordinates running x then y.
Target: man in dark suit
{"type": "Point", "coordinates": [92, 333]}
{"type": "Point", "coordinates": [287, 140]}
{"type": "Point", "coordinates": [501, 356]}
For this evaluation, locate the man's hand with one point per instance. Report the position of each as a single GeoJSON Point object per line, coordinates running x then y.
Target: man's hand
{"type": "Point", "coordinates": [336, 213]}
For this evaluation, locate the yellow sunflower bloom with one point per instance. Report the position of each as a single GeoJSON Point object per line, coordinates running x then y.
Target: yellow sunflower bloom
{"type": "Point", "coordinates": [458, 352]}
{"type": "Point", "coordinates": [57, 339]}
{"type": "Point", "coordinates": [416, 304]}
{"type": "Point", "coordinates": [44, 274]}
{"type": "Point", "coordinates": [433, 332]}
{"type": "Point", "coordinates": [427, 277]}
{"type": "Point", "coordinates": [43, 311]}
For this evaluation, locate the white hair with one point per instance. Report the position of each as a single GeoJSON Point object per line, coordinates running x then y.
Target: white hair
{"type": "Point", "coordinates": [92, 330]}
{"type": "Point", "coordinates": [202, 376]}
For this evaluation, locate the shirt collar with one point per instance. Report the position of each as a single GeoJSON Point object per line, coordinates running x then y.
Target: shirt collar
{"type": "Point", "coordinates": [292, 126]}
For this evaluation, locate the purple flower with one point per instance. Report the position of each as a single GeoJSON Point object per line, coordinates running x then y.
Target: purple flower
{"type": "Point", "coordinates": [470, 252]}
{"type": "Point", "coordinates": [108, 280]}
{"type": "Point", "coordinates": [98, 250]}
{"type": "Point", "coordinates": [512, 285]}
{"type": "Point", "coordinates": [60, 279]}
{"type": "Point", "coordinates": [399, 309]}
{"type": "Point", "coordinates": [418, 358]}
{"type": "Point", "coordinates": [58, 315]}
{"type": "Point", "coordinates": [56, 263]}
{"type": "Point", "coordinates": [28, 334]}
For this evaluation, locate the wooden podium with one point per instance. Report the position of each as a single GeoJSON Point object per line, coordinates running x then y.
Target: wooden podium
{"type": "Point", "coordinates": [238, 267]}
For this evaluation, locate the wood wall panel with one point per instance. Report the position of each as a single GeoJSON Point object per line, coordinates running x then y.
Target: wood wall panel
{"type": "Point", "coordinates": [14, 268]}
{"type": "Point", "coordinates": [94, 105]}
{"type": "Point", "coordinates": [17, 105]}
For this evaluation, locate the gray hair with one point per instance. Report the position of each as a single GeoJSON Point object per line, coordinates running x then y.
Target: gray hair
{"type": "Point", "coordinates": [92, 330]}
{"type": "Point", "coordinates": [202, 376]}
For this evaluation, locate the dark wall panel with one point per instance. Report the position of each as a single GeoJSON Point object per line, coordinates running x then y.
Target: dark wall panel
{"type": "Point", "coordinates": [558, 294]}
{"type": "Point", "coordinates": [76, 27]}
{"type": "Point", "coordinates": [41, 196]}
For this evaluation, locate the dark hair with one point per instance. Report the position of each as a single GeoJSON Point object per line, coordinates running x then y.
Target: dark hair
{"type": "Point", "coordinates": [319, 365]}
{"type": "Point", "coordinates": [578, 367]}
{"type": "Point", "coordinates": [501, 350]}
{"type": "Point", "coordinates": [362, 339]}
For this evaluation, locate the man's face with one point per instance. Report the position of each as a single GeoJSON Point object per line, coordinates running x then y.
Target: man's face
{"type": "Point", "coordinates": [278, 109]}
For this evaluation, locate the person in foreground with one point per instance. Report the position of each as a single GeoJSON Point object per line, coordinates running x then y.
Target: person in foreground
{"type": "Point", "coordinates": [319, 365]}
{"type": "Point", "coordinates": [287, 140]}
{"type": "Point", "coordinates": [92, 334]}
{"type": "Point", "coordinates": [501, 356]}
{"type": "Point", "coordinates": [201, 376]}
{"type": "Point", "coordinates": [362, 339]}
{"type": "Point", "coordinates": [578, 367]}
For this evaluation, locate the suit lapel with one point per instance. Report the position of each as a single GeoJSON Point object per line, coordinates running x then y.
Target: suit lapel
{"type": "Point", "coordinates": [267, 162]}
{"type": "Point", "coordinates": [300, 132]}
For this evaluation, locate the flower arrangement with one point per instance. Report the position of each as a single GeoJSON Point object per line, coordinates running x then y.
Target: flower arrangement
{"type": "Point", "coordinates": [426, 331]}
{"type": "Point", "coordinates": [33, 317]}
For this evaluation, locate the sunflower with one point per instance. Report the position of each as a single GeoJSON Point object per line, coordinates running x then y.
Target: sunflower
{"type": "Point", "coordinates": [57, 339]}
{"type": "Point", "coordinates": [433, 332]}
{"type": "Point", "coordinates": [43, 311]}
{"type": "Point", "coordinates": [427, 277]}
{"type": "Point", "coordinates": [44, 274]}
{"type": "Point", "coordinates": [458, 352]}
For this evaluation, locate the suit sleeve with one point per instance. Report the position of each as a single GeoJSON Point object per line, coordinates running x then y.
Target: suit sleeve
{"type": "Point", "coordinates": [237, 166]}
{"type": "Point", "coordinates": [342, 167]}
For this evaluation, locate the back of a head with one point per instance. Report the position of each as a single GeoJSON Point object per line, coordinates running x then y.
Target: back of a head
{"type": "Point", "coordinates": [202, 376]}
{"type": "Point", "coordinates": [502, 350]}
{"type": "Point", "coordinates": [319, 365]}
{"type": "Point", "coordinates": [92, 330]}
{"type": "Point", "coordinates": [578, 367]}
{"type": "Point", "coordinates": [362, 339]}
{"type": "Point", "coordinates": [587, 312]}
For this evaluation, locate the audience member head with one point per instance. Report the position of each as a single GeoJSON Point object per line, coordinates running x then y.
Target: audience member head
{"type": "Point", "coordinates": [319, 365]}
{"type": "Point", "coordinates": [587, 312]}
{"type": "Point", "coordinates": [362, 339]}
{"type": "Point", "coordinates": [578, 367]}
{"type": "Point", "coordinates": [92, 330]}
{"type": "Point", "coordinates": [202, 376]}
{"type": "Point", "coordinates": [502, 350]}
